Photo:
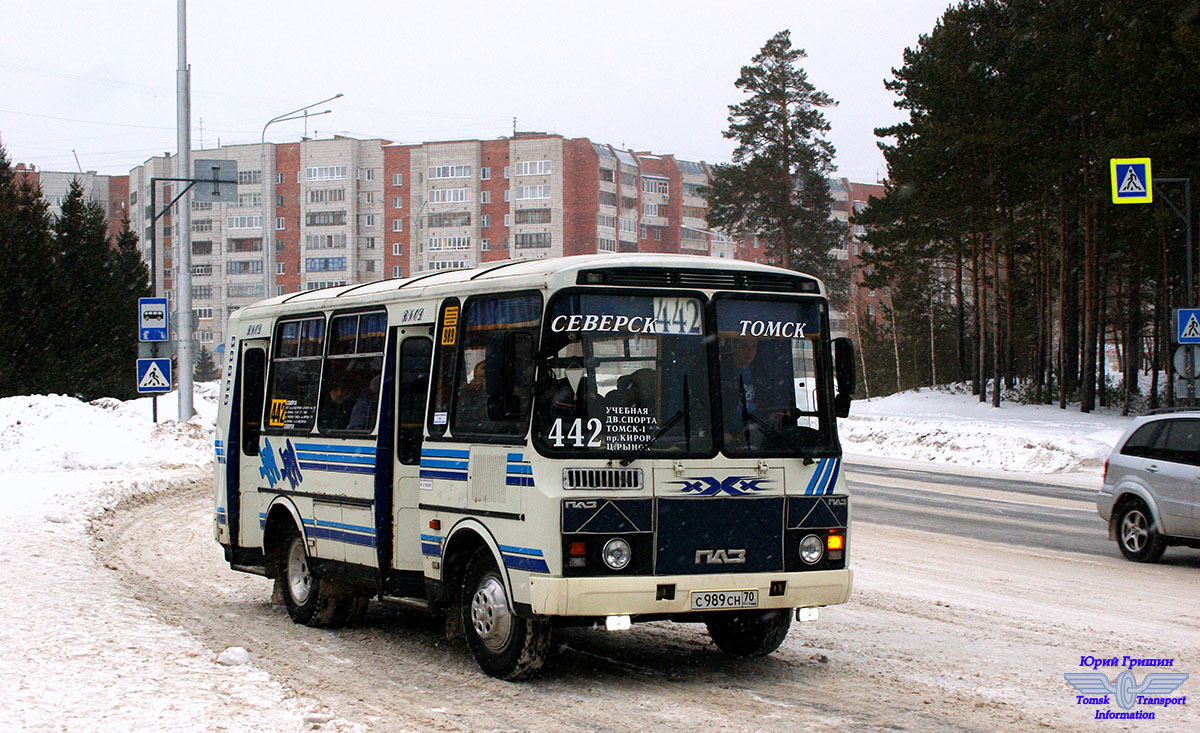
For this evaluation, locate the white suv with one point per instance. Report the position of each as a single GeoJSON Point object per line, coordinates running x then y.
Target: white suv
{"type": "Point", "coordinates": [1151, 492]}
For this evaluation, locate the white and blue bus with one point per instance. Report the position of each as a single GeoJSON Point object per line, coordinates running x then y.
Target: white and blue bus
{"type": "Point", "coordinates": [594, 440]}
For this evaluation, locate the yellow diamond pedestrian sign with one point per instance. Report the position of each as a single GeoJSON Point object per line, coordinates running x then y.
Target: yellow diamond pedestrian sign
{"type": "Point", "coordinates": [1131, 181]}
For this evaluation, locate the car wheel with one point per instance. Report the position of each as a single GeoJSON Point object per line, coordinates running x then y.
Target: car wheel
{"type": "Point", "coordinates": [749, 633]}
{"type": "Point", "coordinates": [1137, 535]}
{"type": "Point", "coordinates": [504, 644]}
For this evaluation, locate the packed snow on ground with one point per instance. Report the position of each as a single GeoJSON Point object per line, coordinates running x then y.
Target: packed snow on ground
{"type": "Point", "coordinates": [953, 427]}
{"type": "Point", "coordinates": [79, 652]}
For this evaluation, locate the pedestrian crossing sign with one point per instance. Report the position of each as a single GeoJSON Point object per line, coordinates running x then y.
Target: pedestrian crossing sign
{"type": "Point", "coordinates": [153, 376]}
{"type": "Point", "coordinates": [1131, 181]}
{"type": "Point", "coordinates": [1187, 326]}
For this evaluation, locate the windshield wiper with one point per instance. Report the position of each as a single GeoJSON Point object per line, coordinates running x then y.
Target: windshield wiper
{"type": "Point", "coordinates": [684, 412]}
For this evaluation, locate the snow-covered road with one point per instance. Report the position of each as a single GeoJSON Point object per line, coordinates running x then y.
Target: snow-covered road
{"type": "Point", "coordinates": [117, 607]}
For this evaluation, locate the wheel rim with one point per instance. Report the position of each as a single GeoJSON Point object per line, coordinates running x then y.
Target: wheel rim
{"type": "Point", "coordinates": [299, 579]}
{"type": "Point", "coordinates": [490, 617]}
{"type": "Point", "coordinates": [1135, 531]}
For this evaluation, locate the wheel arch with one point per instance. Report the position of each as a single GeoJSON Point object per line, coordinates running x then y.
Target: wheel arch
{"type": "Point", "coordinates": [1125, 494]}
{"type": "Point", "coordinates": [462, 541]}
{"type": "Point", "coordinates": [282, 515]}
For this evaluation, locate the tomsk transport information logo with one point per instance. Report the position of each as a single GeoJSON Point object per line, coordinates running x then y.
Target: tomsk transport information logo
{"type": "Point", "coordinates": [1125, 691]}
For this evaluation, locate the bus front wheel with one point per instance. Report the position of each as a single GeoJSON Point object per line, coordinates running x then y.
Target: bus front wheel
{"type": "Point", "coordinates": [749, 633]}
{"type": "Point", "coordinates": [504, 644]}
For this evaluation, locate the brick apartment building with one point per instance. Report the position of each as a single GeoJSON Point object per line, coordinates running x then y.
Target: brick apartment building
{"type": "Point", "coordinates": [111, 192]}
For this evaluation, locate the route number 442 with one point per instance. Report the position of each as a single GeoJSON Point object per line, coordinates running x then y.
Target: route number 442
{"type": "Point", "coordinates": [575, 433]}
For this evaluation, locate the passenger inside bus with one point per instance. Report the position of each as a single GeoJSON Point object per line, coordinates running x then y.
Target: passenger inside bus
{"type": "Point", "coordinates": [362, 414]}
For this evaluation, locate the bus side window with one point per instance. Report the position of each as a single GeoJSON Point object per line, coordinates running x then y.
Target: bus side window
{"type": "Point", "coordinates": [254, 372]}
{"type": "Point", "coordinates": [413, 381]}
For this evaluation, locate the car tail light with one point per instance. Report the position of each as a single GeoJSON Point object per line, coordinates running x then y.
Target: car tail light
{"type": "Point", "coordinates": [1104, 476]}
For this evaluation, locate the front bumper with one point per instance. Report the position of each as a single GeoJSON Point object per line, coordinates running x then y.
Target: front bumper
{"type": "Point", "coordinates": [633, 596]}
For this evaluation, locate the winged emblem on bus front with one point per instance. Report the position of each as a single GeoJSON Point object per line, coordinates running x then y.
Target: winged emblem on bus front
{"type": "Point", "coordinates": [731, 485]}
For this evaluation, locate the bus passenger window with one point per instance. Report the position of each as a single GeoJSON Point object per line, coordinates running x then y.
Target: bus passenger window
{"type": "Point", "coordinates": [350, 387]}
{"type": "Point", "coordinates": [415, 355]}
{"type": "Point", "coordinates": [295, 373]}
{"type": "Point", "coordinates": [254, 373]}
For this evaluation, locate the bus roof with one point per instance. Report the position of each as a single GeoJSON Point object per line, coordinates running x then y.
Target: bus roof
{"type": "Point", "coordinates": [645, 270]}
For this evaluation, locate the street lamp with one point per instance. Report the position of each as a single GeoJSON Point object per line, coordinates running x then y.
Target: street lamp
{"type": "Point", "coordinates": [268, 223]}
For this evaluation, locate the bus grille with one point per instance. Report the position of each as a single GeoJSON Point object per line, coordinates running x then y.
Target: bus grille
{"type": "Point", "coordinates": [602, 478]}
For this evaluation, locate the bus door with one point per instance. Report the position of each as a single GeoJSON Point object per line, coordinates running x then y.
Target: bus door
{"type": "Point", "coordinates": [247, 416]}
{"type": "Point", "coordinates": [412, 386]}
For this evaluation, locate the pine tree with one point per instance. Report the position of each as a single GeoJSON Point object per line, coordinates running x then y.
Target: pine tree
{"type": "Point", "coordinates": [90, 339]}
{"type": "Point", "coordinates": [30, 303]}
{"type": "Point", "coordinates": [130, 280]}
{"type": "Point", "coordinates": [777, 184]}
{"type": "Point", "coordinates": [206, 368]}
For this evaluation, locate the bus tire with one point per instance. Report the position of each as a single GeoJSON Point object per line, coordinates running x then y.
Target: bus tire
{"type": "Point", "coordinates": [749, 633]}
{"type": "Point", "coordinates": [309, 600]}
{"type": "Point", "coordinates": [504, 644]}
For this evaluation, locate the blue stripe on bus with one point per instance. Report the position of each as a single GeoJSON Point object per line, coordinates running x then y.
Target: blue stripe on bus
{"type": "Point", "coordinates": [451, 475]}
{"type": "Point", "coordinates": [444, 453]}
{"type": "Point", "coordinates": [816, 475]}
{"type": "Point", "coordinates": [337, 535]}
{"type": "Point", "coordinates": [520, 468]}
{"type": "Point", "coordinates": [311, 456]}
{"type": "Point", "coordinates": [521, 550]}
{"type": "Point", "coordinates": [349, 527]}
{"type": "Point", "coordinates": [837, 466]}
{"type": "Point", "coordinates": [337, 468]}
{"type": "Point", "coordinates": [433, 463]}
{"type": "Point", "coordinates": [515, 457]}
{"type": "Point", "coordinates": [825, 474]}
{"type": "Point", "coordinates": [431, 549]}
{"type": "Point", "coordinates": [430, 538]}
{"type": "Point", "coordinates": [520, 562]}
{"type": "Point", "coordinates": [519, 481]}
{"type": "Point", "coordinates": [328, 448]}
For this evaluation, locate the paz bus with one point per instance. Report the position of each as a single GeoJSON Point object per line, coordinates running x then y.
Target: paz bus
{"type": "Point", "coordinates": [595, 440]}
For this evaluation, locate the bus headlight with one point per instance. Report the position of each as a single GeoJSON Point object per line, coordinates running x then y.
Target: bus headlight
{"type": "Point", "coordinates": [811, 549]}
{"type": "Point", "coordinates": [616, 554]}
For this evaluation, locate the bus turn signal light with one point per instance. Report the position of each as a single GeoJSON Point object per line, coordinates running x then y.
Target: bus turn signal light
{"type": "Point", "coordinates": [577, 549]}
{"type": "Point", "coordinates": [834, 542]}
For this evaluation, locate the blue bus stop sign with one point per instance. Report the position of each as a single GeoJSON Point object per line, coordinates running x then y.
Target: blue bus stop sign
{"type": "Point", "coordinates": [152, 319]}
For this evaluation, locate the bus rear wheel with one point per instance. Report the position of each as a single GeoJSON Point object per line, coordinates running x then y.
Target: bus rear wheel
{"type": "Point", "coordinates": [504, 644]}
{"type": "Point", "coordinates": [749, 633]}
{"type": "Point", "coordinates": [309, 599]}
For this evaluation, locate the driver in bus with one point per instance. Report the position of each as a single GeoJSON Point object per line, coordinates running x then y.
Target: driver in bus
{"type": "Point", "coordinates": [757, 390]}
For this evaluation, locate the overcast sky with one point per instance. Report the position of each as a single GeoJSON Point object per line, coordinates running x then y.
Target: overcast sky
{"type": "Point", "coordinates": [97, 79]}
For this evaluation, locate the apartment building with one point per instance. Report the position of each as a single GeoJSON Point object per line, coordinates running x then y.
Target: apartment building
{"type": "Point", "coordinates": [111, 192]}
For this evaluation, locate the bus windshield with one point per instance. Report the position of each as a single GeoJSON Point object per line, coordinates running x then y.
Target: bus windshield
{"type": "Point", "coordinates": [625, 375]}
{"type": "Point", "coordinates": [771, 375]}
{"type": "Point", "coordinates": [629, 376]}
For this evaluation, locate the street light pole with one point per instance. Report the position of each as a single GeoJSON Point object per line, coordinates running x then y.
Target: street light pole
{"type": "Point", "coordinates": [268, 223]}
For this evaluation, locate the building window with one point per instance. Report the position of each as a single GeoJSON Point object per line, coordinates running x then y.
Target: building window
{"type": "Point", "coordinates": [658, 234]}
{"type": "Point", "coordinates": [606, 244]}
{"type": "Point", "coordinates": [281, 268]}
{"type": "Point", "coordinates": [397, 179]}
{"type": "Point", "coordinates": [533, 192]}
{"type": "Point", "coordinates": [244, 222]}
{"type": "Point", "coordinates": [533, 167]}
{"type": "Point", "coordinates": [244, 267]}
{"type": "Point", "coordinates": [326, 195]}
{"type": "Point", "coordinates": [533, 216]}
{"type": "Point", "coordinates": [204, 314]}
{"type": "Point", "coordinates": [654, 209]}
{"type": "Point", "coordinates": [366, 220]}
{"type": "Point", "coordinates": [449, 171]}
{"type": "Point", "coordinates": [485, 221]}
{"type": "Point", "coordinates": [249, 199]}
{"type": "Point", "coordinates": [485, 197]}
{"type": "Point", "coordinates": [695, 212]}
{"type": "Point", "coordinates": [607, 221]}
{"type": "Point", "coordinates": [325, 241]}
{"type": "Point", "coordinates": [446, 244]}
{"type": "Point", "coordinates": [249, 177]}
{"type": "Point", "coordinates": [532, 239]}
{"type": "Point", "coordinates": [202, 270]}
{"type": "Point", "coordinates": [606, 175]}
{"type": "Point", "coordinates": [324, 264]}
{"type": "Point", "coordinates": [397, 202]}
{"type": "Point", "coordinates": [449, 195]}
{"type": "Point", "coordinates": [205, 337]}
{"type": "Point", "coordinates": [244, 245]}
{"type": "Point", "coordinates": [201, 225]}
{"type": "Point", "coordinates": [508, 220]}
{"type": "Point", "coordinates": [485, 174]}
{"type": "Point", "coordinates": [202, 292]}
{"type": "Point", "coordinates": [506, 171]}
{"type": "Point", "coordinates": [325, 218]}
{"type": "Point", "coordinates": [279, 223]}
{"type": "Point", "coordinates": [322, 284]}
{"type": "Point", "coordinates": [448, 265]}
{"type": "Point", "coordinates": [450, 219]}
{"type": "Point", "coordinates": [397, 271]}
{"type": "Point", "coordinates": [506, 195]}
{"type": "Point", "coordinates": [643, 233]}
{"type": "Point", "coordinates": [693, 189]}
{"type": "Point", "coordinates": [485, 245]}
{"type": "Point", "coordinates": [201, 205]}
{"type": "Point", "coordinates": [280, 289]}
{"type": "Point", "coordinates": [367, 242]}
{"type": "Point", "coordinates": [202, 246]}
{"type": "Point", "coordinates": [397, 248]}
{"type": "Point", "coordinates": [366, 197]}
{"type": "Point", "coordinates": [323, 173]}
{"type": "Point", "coordinates": [656, 185]}
{"type": "Point", "coordinates": [397, 225]}
{"type": "Point", "coordinates": [627, 225]}
{"type": "Point", "coordinates": [279, 180]}
{"type": "Point", "coordinates": [278, 200]}
{"type": "Point", "coordinates": [365, 174]}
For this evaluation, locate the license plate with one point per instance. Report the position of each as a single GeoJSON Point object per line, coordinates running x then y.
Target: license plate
{"type": "Point", "coordinates": [707, 600]}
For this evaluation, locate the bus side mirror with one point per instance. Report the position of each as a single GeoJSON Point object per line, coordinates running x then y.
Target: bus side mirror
{"type": "Point", "coordinates": [843, 371]}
